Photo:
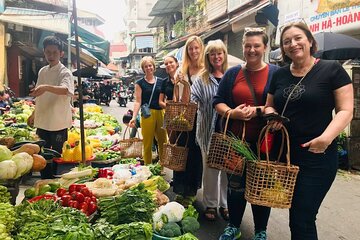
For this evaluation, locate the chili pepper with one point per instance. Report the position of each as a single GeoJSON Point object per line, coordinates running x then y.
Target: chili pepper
{"type": "Point", "coordinates": [44, 196]}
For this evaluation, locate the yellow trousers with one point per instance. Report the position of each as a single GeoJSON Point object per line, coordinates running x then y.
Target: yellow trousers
{"type": "Point", "coordinates": [152, 127]}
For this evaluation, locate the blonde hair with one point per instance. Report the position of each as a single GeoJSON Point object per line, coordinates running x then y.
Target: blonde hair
{"type": "Point", "coordinates": [147, 59]}
{"type": "Point", "coordinates": [187, 61]}
{"type": "Point", "coordinates": [213, 46]}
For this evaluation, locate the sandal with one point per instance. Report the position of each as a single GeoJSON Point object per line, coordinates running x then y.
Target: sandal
{"type": "Point", "coordinates": [224, 212]}
{"type": "Point", "coordinates": [210, 214]}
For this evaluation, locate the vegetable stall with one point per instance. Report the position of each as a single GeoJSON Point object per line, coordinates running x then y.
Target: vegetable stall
{"type": "Point", "coordinates": [109, 197]}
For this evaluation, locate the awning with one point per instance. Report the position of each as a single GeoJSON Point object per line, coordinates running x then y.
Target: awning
{"type": "Point", "coordinates": [216, 27]}
{"type": "Point", "coordinates": [156, 22]}
{"type": "Point", "coordinates": [52, 21]}
{"type": "Point", "coordinates": [248, 11]}
{"type": "Point", "coordinates": [86, 57]}
{"type": "Point", "coordinates": [144, 42]}
{"type": "Point", "coordinates": [57, 22]}
{"type": "Point", "coordinates": [164, 7]}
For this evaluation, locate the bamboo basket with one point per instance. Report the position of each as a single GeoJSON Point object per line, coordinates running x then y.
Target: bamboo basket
{"type": "Point", "coordinates": [175, 157]}
{"type": "Point", "coordinates": [271, 183]}
{"type": "Point", "coordinates": [221, 154]}
{"type": "Point", "coordinates": [180, 116]}
{"type": "Point", "coordinates": [131, 147]}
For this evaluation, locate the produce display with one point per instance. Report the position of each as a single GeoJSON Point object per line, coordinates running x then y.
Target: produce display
{"type": "Point", "coordinates": [116, 202]}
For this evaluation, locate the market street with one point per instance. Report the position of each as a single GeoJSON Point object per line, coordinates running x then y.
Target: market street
{"type": "Point", "coordinates": [338, 217]}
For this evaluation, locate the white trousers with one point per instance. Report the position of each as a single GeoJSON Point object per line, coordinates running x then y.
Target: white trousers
{"type": "Point", "coordinates": [214, 186]}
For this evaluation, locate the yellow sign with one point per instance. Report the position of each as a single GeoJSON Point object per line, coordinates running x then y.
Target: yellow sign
{"type": "Point", "coordinates": [329, 5]}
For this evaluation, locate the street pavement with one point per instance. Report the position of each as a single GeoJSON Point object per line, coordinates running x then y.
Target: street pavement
{"type": "Point", "coordinates": [338, 218]}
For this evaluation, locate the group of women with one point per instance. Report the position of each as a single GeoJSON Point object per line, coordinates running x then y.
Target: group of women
{"type": "Point", "coordinates": [306, 91]}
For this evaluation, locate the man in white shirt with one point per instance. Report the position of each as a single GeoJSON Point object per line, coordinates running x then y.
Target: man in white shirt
{"type": "Point", "coordinates": [54, 90]}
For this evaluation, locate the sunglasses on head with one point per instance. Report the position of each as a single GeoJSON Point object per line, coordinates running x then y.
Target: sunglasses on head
{"type": "Point", "coordinates": [254, 30]}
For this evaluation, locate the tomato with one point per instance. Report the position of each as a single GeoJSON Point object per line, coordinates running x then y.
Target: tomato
{"type": "Point", "coordinates": [72, 188]}
{"type": "Point", "coordinates": [60, 192]}
{"type": "Point", "coordinates": [78, 196]}
{"type": "Point", "coordinates": [87, 200]}
{"type": "Point", "coordinates": [83, 207]}
{"type": "Point", "coordinates": [78, 187]}
{"type": "Point", "coordinates": [73, 204]}
{"type": "Point", "coordinates": [93, 198]}
{"type": "Point", "coordinates": [65, 199]}
{"type": "Point", "coordinates": [92, 208]}
{"type": "Point", "coordinates": [85, 191]}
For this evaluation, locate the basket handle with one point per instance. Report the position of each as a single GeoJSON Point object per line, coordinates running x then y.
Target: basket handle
{"type": "Point", "coordinates": [176, 86]}
{"type": "Point", "coordinates": [226, 126]}
{"type": "Point", "coordinates": [285, 136]}
{"type": "Point", "coordinates": [127, 129]}
{"type": "Point", "coordinates": [178, 137]}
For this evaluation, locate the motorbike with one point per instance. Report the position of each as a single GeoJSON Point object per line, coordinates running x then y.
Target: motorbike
{"type": "Point", "coordinates": [130, 94]}
{"type": "Point", "coordinates": [104, 99]}
{"type": "Point", "coordinates": [122, 98]}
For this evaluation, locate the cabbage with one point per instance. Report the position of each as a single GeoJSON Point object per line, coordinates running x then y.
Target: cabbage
{"type": "Point", "coordinates": [24, 162]}
{"type": "Point", "coordinates": [5, 153]}
{"type": "Point", "coordinates": [8, 169]}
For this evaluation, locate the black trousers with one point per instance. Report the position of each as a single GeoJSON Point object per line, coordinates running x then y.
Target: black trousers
{"type": "Point", "coordinates": [316, 175]}
{"type": "Point", "coordinates": [53, 139]}
{"type": "Point", "coordinates": [237, 202]}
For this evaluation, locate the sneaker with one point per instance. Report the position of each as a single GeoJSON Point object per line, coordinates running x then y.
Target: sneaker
{"type": "Point", "coordinates": [230, 233]}
{"type": "Point", "coordinates": [260, 236]}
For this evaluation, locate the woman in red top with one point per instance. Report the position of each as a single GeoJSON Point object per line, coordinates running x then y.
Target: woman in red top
{"type": "Point", "coordinates": [234, 97]}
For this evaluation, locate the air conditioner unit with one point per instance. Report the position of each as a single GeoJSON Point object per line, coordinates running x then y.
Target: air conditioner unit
{"type": "Point", "coordinates": [8, 40]}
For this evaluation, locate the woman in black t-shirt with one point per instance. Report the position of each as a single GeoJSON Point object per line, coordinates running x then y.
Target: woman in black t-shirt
{"type": "Point", "coordinates": [147, 90]}
{"type": "Point", "coordinates": [167, 87]}
{"type": "Point", "coordinates": [306, 92]}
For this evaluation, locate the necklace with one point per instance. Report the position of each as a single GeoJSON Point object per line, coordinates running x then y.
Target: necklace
{"type": "Point", "coordinates": [301, 71]}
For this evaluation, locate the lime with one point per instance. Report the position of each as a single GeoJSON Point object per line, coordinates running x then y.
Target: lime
{"type": "Point", "coordinates": [54, 186]}
{"type": "Point", "coordinates": [45, 188]}
{"type": "Point", "coordinates": [29, 193]}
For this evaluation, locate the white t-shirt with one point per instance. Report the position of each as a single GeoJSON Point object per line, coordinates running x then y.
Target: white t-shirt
{"type": "Point", "coordinates": [53, 112]}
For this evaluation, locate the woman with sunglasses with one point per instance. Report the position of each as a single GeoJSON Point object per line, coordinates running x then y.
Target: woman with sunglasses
{"type": "Point", "coordinates": [202, 91]}
{"type": "Point", "coordinates": [306, 92]}
{"type": "Point", "coordinates": [235, 98]}
{"type": "Point", "coordinates": [147, 91]}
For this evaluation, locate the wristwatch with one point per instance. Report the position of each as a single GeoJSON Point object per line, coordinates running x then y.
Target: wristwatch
{"type": "Point", "coordinates": [258, 111]}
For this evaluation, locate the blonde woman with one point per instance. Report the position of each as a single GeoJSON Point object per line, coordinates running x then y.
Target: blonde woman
{"type": "Point", "coordinates": [202, 91]}
{"type": "Point", "coordinates": [147, 90]}
{"type": "Point", "coordinates": [186, 183]}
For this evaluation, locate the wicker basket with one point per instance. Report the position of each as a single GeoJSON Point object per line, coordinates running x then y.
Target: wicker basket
{"type": "Point", "coordinates": [175, 157]}
{"type": "Point", "coordinates": [132, 147]}
{"type": "Point", "coordinates": [180, 116]}
{"type": "Point", "coordinates": [268, 183]}
{"type": "Point", "coordinates": [221, 155]}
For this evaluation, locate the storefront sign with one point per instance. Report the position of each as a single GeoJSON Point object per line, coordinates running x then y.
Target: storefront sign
{"type": "Point", "coordinates": [329, 5]}
{"type": "Point", "coordinates": [339, 20]}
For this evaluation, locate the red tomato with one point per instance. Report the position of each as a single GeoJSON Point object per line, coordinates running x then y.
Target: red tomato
{"type": "Point", "coordinates": [91, 208]}
{"type": "Point", "coordinates": [73, 204]}
{"type": "Point", "coordinates": [85, 191]}
{"type": "Point", "coordinates": [87, 200]}
{"type": "Point", "coordinates": [78, 187]}
{"type": "Point", "coordinates": [65, 199]}
{"type": "Point", "coordinates": [60, 192]}
{"type": "Point", "coordinates": [93, 198]}
{"type": "Point", "coordinates": [83, 207]}
{"type": "Point", "coordinates": [78, 196]}
{"type": "Point", "coordinates": [72, 188]}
